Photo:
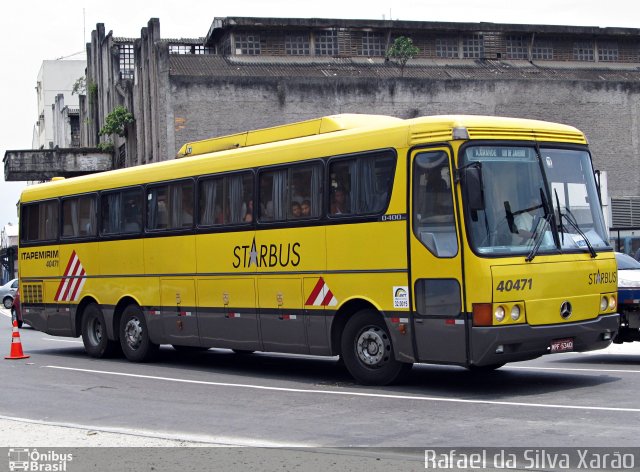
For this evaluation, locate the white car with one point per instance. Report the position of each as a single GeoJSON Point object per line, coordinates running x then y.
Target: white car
{"type": "Point", "coordinates": [7, 291]}
{"type": "Point", "coordinates": [628, 298]}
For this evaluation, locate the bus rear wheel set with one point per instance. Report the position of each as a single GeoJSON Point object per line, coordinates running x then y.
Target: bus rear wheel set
{"type": "Point", "coordinates": [366, 346]}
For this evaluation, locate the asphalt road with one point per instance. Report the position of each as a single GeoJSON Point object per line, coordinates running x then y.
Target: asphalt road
{"type": "Point", "coordinates": [218, 397]}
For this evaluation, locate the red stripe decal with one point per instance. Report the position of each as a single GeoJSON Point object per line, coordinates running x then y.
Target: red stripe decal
{"type": "Point", "coordinates": [65, 295]}
{"type": "Point", "coordinates": [78, 284]}
{"type": "Point", "coordinates": [327, 298]}
{"type": "Point", "coordinates": [66, 272]}
{"type": "Point", "coordinates": [315, 292]}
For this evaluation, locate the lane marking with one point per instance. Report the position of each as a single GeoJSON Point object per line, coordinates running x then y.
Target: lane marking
{"type": "Point", "coordinates": [576, 369]}
{"type": "Point", "coordinates": [63, 340]}
{"type": "Point", "coordinates": [222, 441]}
{"type": "Point", "coordinates": [351, 393]}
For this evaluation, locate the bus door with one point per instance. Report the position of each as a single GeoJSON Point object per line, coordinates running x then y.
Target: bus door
{"type": "Point", "coordinates": [180, 323]}
{"type": "Point", "coordinates": [282, 323]}
{"type": "Point", "coordinates": [435, 265]}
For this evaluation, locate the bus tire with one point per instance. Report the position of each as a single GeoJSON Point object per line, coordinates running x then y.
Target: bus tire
{"type": "Point", "coordinates": [367, 350]}
{"type": "Point", "coordinates": [134, 336]}
{"type": "Point", "coordinates": [94, 333]}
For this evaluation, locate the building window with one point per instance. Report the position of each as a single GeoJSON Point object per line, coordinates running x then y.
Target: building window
{"type": "Point", "coordinates": [297, 44]}
{"type": "Point", "coordinates": [473, 46]}
{"type": "Point", "coordinates": [542, 50]}
{"type": "Point", "coordinates": [608, 52]}
{"type": "Point", "coordinates": [326, 43]}
{"type": "Point", "coordinates": [248, 44]}
{"type": "Point", "coordinates": [517, 47]}
{"type": "Point", "coordinates": [125, 61]}
{"type": "Point", "coordinates": [583, 51]}
{"type": "Point", "coordinates": [447, 47]}
{"type": "Point", "coordinates": [372, 44]}
{"type": "Point", "coordinates": [189, 49]}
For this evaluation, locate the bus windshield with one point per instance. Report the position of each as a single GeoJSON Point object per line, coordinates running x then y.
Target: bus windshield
{"type": "Point", "coordinates": [523, 207]}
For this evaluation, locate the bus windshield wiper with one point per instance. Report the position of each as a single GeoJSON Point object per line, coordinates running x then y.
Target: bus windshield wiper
{"type": "Point", "coordinates": [539, 236]}
{"type": "Point", "coordinates": [573, 222]}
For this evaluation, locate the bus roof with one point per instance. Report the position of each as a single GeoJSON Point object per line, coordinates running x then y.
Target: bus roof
{"type": "Point", "coordinates": [377, 131]}
{"type": "Point", "coordinates": [301, 129]}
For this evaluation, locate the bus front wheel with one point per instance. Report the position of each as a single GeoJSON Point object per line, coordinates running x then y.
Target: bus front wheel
{"type": "Point", "coordinates": [367, 350]}
{"type": "Point", "coordinates": [134, 336]}
{"type": "Point", "coordinates": [94, 333]}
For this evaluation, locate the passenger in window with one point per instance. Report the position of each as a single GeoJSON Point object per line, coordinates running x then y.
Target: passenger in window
{"type": "Point", "coordinates": [219, 216]}
{"type": "Point", "coordinates": [131, 216]}
{"type": "Point", "coordinates": [305, 209]}
{"type": "Point", "coordinates": [163, 214]}
{"type": "Point", "coordinates": [248, 217]}
{"type": "Point", "coordinates": [339, 203]}
{"type": "Point", "coordinates": [296, 210]}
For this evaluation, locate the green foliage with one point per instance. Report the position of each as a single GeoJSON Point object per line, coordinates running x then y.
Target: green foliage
{"type": "Point", "coordinates": [79, 86]}
{"type": "Point", "coordinates": [116, 122]}
{"type": "Point", "coordinates": [401, 51]}
{"type": "Point", "coordinates": [106, 146]}
{"type": "Point", "coordinates": [93, 89]}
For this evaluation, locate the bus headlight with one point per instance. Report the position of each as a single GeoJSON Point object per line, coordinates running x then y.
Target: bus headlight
{"type": "Point", "coordinates": [612, 302]}
{"type": "Point", "coordinates": [499, 314]}
{"type": "Point", "coordinates": [515, 312]}
{"type": "Point", "coordinates": [604, 303]}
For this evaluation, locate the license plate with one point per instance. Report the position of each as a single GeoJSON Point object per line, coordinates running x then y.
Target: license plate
{"type": "Point", "coordinates": [562, 345]}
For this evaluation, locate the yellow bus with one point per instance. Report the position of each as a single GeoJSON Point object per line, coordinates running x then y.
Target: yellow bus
{"type": "Point", "coordinates": [464, 240]}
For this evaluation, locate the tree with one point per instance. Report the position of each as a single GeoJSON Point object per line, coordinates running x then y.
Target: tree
{"type": "Point", "coordinates": [115, 123]}
{"type": "Point", "coordinates": [401, 51]}
{"type": "Point", "coordinates": [79, 86]}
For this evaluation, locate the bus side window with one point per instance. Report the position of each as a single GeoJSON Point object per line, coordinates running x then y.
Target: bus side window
{"type": "Point", "coordinates": [361, 185]}
{"type": "Point", "coordinates": [40, 221]}
{"type": "Point", "coordinates": [79, 217]}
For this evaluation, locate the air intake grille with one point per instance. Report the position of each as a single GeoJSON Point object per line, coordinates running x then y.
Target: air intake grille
{"type": "Point", "coordinates": [625, 212]}
{"type": "Point", "coordinates": [31, 293]}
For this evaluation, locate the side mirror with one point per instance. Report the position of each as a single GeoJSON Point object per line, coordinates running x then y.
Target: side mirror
{"type": "Point", "coordinates": [472, 187]}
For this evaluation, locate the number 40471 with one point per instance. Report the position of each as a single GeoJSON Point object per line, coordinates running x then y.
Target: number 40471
{"type": "Point", "coordinates": [517, 284]}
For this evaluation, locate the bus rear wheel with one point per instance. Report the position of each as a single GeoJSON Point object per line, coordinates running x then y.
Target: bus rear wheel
{"type": "Point", "coordinates": [134, 336]}
{"type": "Point", "coordinates": [94, 333]}
{"type": "Point", "coordinates": [367, 350]}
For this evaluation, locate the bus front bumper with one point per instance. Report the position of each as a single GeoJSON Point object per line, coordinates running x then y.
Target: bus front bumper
{"type": "Point", "coordinates": [490, 346]}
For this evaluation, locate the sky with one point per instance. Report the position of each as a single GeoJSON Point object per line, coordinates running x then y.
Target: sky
{"type": "Point", "coordinates": [33, 31]}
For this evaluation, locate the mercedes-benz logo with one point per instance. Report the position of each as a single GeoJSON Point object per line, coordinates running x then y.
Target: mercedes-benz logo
{"type": "Point", "coordinates": [565, 310]}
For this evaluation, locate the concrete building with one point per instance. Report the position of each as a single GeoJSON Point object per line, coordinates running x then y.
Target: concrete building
{"type": "Point", "coordinates": [56, 150]}
{"type": "Point", "coordinates": [58, 111]}
{"type": "Point", "coordinates": [8, 253]}
{"type": "Point", "coordinates": [248, 73]}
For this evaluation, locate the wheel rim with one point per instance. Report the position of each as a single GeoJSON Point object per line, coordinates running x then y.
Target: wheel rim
{"type": "Point", "coordinates": [133, 333]}
{"type": "Point", "coordinates": [8, 303]}
{"type": "Point", "coordinates": [96, 331]}
{"type": "Point", "coordinates": [373, 347]}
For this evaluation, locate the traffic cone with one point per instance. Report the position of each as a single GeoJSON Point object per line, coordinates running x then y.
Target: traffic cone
{"type": "Point", "coordinates": [16, 345]}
